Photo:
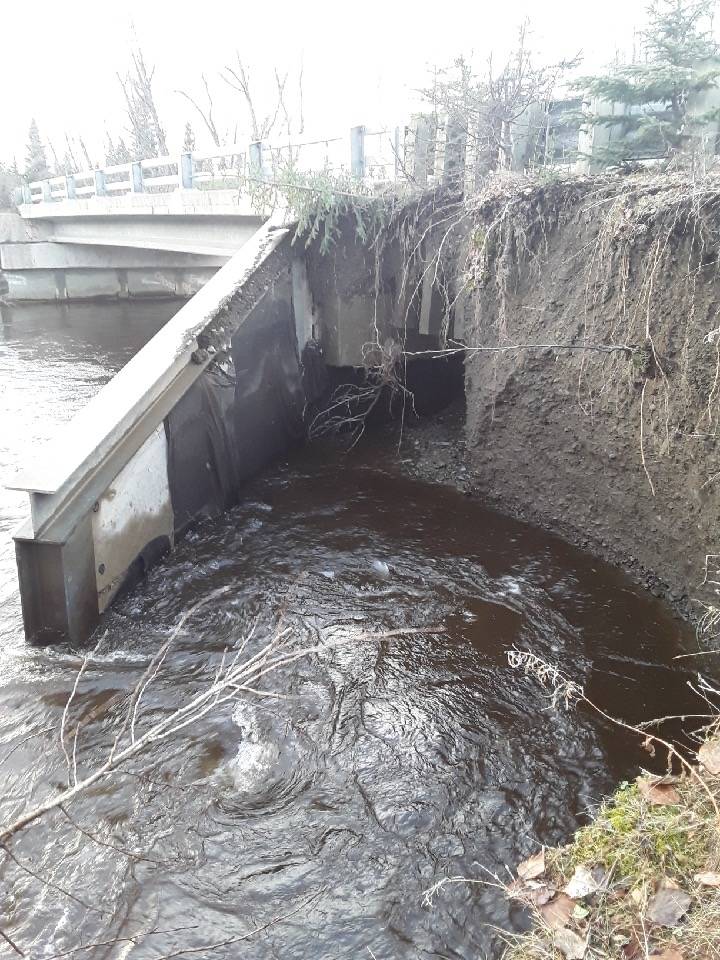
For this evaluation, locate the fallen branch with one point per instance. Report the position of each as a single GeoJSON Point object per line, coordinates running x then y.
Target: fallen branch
{"type": "Point", "coordinates": [564, 688]}
{"type": "Point", "coordinates": [232, 679]}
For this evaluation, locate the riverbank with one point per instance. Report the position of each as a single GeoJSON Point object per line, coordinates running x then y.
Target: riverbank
{"type": "Point", "coordinates": [640, 881]}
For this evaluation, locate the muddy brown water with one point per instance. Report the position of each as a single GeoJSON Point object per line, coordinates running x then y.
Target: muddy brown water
{"type": "Point", "coordinates": [387, 767]}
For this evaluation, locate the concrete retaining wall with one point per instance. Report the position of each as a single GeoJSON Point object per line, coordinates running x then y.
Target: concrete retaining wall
{"type": "Point", "coordinates": [208, 402]}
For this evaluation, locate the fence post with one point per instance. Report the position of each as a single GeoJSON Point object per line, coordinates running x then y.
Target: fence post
{"type": "Point", "coordinates": [100, 190]}
{"type": "Point", "coordinates": [185, 171]}
{"type": "Point", "coordinates": [136, 177]}
{"type": "Point", "coordinates": [26, 193]}
{"type": "Point", "coordinates": [256, 152]}
{"type": "Point", "coordinates": [357, 151]}
{"type": "Point", "coordinates": [46, 191]}
{"type": "Point", "coordinates": [454, 166]}
{"type": "Point", "coordinates": [70, 186]}
{"type": "Point", "coordinates": [423, 156]}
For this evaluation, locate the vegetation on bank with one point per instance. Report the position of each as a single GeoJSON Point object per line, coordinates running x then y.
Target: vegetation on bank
{"type": "Point", "coordinates": [642, 880]}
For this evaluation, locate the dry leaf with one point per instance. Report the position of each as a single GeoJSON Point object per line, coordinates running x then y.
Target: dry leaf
{"type": "Point", "coordinates": [670, 953]}
{"type": "Point", "coordinates": [708, 879]}
{"type": "Point", "coordinates": [582, 884]}
{"type": "Point", "coordinates": [632, 949]}
{"type": "Point", "coordinates": [530, 892]}
{"type": "Point", "coordinates": [657, 792]}
{"type": "Point", "coordinates": [709, 756]}
{"type": "Point", "coordinates": [533, 867]}
{"type": "Point", "coordinates": [557, 912]}
{"type": "Point", "coordinates": [539, 893]}
{"type": "Point", "coordinates": [570, 944]}
{"type": "Point", "coordinates": [667, 907]}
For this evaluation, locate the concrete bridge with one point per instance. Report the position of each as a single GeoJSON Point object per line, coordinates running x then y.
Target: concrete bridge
{"type": "Point", "coordinates": [161, 226]}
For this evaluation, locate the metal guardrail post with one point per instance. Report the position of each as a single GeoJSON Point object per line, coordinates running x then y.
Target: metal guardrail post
{"type": "Point", "coordinates": [70, 191]}
{"type": "Point", "coordinates": [357, 151]}
{"type": "Point", "coordinates": [100, 190]}
{"type": "Point", "coordinates": [185, 171]}
{"type": "Point", "coordinates": [136, 177]}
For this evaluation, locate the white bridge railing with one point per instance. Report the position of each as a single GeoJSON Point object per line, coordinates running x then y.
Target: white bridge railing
{"type": "Point", "coordinates": [410, 152]}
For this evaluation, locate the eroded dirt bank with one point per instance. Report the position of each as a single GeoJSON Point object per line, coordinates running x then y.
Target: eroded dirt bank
{"type": "Point", "coordinates": [592, 370]}
{"type": "Point", "coordinates": [615, 449]}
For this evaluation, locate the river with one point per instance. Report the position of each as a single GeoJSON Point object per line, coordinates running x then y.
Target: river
{"type": "Point", "coordinates": [316, 817]}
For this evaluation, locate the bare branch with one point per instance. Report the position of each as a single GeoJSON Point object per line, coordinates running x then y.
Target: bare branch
{"type": "Point", "coordinates": [206, 115]}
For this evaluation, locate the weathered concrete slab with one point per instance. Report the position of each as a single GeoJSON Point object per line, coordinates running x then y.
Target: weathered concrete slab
{"type": "Point", "coordinates": [178, 203]}
{"type": "Point", "coordinates": [132, 513]}
{"type": "Point", "coordinates": [13, 229]}
{"type": "Point", "coordinates": [210, 237]}
{"type": "Point", "coordinates": [46, 255]}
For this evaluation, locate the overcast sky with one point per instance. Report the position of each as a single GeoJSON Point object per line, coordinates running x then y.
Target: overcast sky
{"type": "Point", "coordinates": [361, 62]}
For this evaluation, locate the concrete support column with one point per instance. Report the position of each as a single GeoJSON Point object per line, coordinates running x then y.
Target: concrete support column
{"type": "Point", "coordinates": [58, 586]}
{"type": "Point", "coordinates": [100, 189]}
{"type": "Point", "coordinates": [302, 303]}
{"type": "Point", "coordinates": [423, 158]}
{"type": "Point", "coordinates": [357, 151]}
{"type": "Point", "coordinates": [455, 142]}
{"type": "Point", "coordinates": [185, 171]}
{"type": "Point", "coordinates": [136, 177]}
{"type": "Point", "coordinates": [256, 152]}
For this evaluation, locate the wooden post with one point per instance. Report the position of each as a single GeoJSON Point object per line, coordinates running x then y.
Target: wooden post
{"type": "Point", "coordinates": [70, 192]}
{"type": "Point", "coordinates": [357, 152]}
{"type": "Point", "coordinates": [46, 191]}
{"type": "Point", "coordinates": [26, 193]}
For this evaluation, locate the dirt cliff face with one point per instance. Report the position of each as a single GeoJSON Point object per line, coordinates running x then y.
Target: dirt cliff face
{"type": "Point", "coordinates": [616, 449]}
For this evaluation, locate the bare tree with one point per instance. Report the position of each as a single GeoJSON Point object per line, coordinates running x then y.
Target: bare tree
{"type": "Point", "coordinates": [88, 161]}
{"type": "Point", "coordinates": [206, 113]}
{"type": "Point", "coordinates": [490, 107]}
{"type": "Point", "coordinates": [237, 76]}
{"type": "Point", "coordinates": [147, 131]}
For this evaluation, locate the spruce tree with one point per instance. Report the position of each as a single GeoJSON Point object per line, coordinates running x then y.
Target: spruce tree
{"type": "Point", "coordinates": [116, 153]}
{"type": "Point", "coordinates": [36, 165]}
{"type": "Point", "coordinates": [189, 141]}
{"type": "Point", "coordinates": [680, 63]}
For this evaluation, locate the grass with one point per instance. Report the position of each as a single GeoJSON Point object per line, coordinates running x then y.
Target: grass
{"type": "Point", "coordinates": [642, 847]}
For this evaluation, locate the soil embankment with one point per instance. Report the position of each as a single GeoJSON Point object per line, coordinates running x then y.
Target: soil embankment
{"type": "Point", "coordinates": [598, 416]}
{"type": "Point", "coordinates": [616, 449]}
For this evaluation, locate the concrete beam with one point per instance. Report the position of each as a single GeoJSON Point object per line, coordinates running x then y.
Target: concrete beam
{"type": "Point", "coordinates": [180, 203]}
{"type": "Point", "coordinates": [13, 228]}
{"type": "Point", "coordinates": [88, 284]}
{"type": "Point", "coordinates": [210, 237]}
{"type": "Point", "coordinates": [46, 255]}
